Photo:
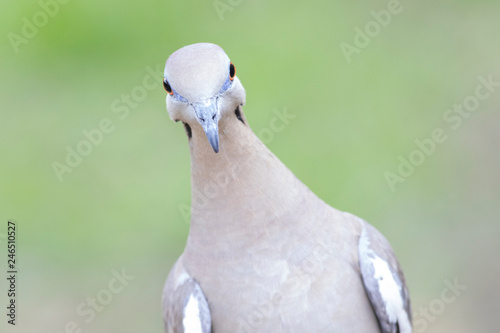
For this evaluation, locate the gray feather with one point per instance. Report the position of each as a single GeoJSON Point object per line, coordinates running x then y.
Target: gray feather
{"type": "Point", "coordinates": [179, 290]}
{"type": "Point", "coordinates": [393, 313]}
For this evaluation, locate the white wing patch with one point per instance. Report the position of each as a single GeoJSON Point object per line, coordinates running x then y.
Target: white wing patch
{"type": "Point", "coordinates": [191, 320]}
{"type": "Point", "coordinates": [391, 294]}
{"type": "Point", "coordinates": [383, 287]}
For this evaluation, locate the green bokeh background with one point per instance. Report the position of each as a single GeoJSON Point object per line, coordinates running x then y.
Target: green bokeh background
{"type": "Point", "coordinates": [121, 207]}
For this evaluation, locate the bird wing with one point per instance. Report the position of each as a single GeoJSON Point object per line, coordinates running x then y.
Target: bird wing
{"type": "Point", "coordinates": [384, 281]}
{"type": "Point", "coordinates": [185, 308]}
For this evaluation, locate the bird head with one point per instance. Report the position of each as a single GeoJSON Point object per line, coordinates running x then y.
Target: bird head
{"type": "Point", "coordinates": [202, 88]}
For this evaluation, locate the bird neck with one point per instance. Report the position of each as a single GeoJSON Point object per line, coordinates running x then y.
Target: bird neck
{"type": "Point", "coordinates": [241, 192]}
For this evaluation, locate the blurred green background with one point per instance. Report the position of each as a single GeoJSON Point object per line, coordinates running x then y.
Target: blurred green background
{"type": "Point", "coordinates": [121, 207]}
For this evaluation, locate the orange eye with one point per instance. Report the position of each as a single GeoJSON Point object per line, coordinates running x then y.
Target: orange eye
{"type": "Point", "coordinates": [167, 87]}
{"type": "Point", "coordinates": [232, 71]}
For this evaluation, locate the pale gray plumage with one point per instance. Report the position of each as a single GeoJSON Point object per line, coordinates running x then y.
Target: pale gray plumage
{"type": "Point", "coordinates": [264, 254]}
{"type": "Point", "coordinates": [373, 249]}
{"type": "Point", "coordinates": [176, 316]}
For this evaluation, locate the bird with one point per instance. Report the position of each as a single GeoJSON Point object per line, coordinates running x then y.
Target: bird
{"type": "Point", "coordinates": [264, 253]}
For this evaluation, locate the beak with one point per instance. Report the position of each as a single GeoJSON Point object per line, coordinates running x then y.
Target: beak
{"type": "Point", "coordinates": [207, 113]}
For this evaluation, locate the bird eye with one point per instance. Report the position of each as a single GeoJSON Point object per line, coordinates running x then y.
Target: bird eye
{"type": "Point", "coordinates": [232, 71]}
{"type": "Point", "coordinates": [167, 87]}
